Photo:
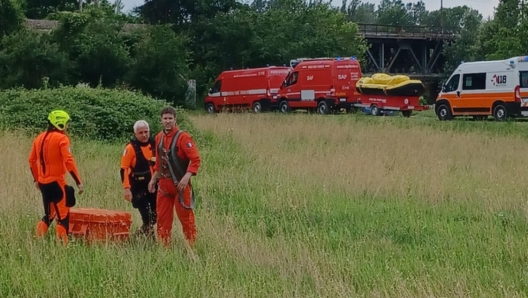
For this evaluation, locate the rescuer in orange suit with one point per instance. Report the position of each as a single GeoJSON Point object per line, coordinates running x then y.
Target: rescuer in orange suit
{"type": "Point", "coordinates": [137, 167]}
{"type": "Point", "coordinates": [49, 160]}
{"type": "Point", "coordinates": [177, 159]}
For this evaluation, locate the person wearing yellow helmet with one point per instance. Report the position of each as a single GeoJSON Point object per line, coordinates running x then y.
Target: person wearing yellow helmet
{"type": "Point", "coordinates": [49, 159]}
{"type": "Point", "coordinates": [58, 119]}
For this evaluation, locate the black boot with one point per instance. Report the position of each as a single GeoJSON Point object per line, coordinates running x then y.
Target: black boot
{"type": "Point", "coordinates": [145, 231]}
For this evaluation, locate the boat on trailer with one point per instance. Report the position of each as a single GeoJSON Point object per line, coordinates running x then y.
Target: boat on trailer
{"type": "Point", "coordinates": [384, 84]}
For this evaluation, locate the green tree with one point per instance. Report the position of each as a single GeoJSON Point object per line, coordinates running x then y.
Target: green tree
{"type": "Point", "coordinates": [393, 12]}
{"type": "Point", "coordinates": [160, 66]}
{"type": "Point", "coordinates": [28, 58]}
{"type": "Point", "coordinates": [11, 17]}
{"type": "Point", "coordinates": [40, 9]}
{"type": "Point", "coordinates": [182, 12]}
{"type": "Point", "coordinates": [503, 37]}
{"type": "Point", "coordinates": [94, 43]}
{"type": "Point", "coordinates": [466, 47]}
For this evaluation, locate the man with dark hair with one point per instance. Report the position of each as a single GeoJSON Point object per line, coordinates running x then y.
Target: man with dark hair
{"type": "Point", "coordinates": [49, 160]}
{"type": "Point", "coordinates": [177, 159]}
{"type": "Point", "coordinates": [136, 171]}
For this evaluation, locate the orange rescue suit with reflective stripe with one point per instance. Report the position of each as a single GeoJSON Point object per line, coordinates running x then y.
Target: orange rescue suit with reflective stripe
{"type": "Point", "coordinates": [51, 158]}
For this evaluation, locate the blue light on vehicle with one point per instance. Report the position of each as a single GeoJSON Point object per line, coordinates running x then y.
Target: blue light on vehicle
{"type": "Point", "coordinates": [353, 57]}
{"type": "Point", "coordinates": [338, 58]}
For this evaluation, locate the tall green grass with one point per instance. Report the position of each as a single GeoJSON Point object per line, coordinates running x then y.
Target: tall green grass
{"type": "Point", "coordinates": [297, 206]}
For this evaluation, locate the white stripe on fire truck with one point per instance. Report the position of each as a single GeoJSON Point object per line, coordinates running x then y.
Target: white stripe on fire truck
{"type": "Point", "coordinates": [245, 92]}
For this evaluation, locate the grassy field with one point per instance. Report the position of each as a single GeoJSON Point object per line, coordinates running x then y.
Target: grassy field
{"type": "Point", "coordinates": [299, 206]}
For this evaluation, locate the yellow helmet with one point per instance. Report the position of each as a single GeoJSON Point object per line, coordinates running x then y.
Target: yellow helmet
{"type": "Point", "coordinates": [58, 118]}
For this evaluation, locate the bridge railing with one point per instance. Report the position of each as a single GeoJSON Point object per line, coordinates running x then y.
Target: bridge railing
{"type": "Point", "coordinates": [415, 31]}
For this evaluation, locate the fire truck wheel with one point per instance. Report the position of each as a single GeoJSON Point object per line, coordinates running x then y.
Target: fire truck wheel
{"type": "Point", "coordinates": [284, 107]}
{"type": "Point", "coordinates": [257, 107]}
{"type": "Point", "coordinates": [210, 108]}
{"type": "Point", "coordinates": [374, 110]}
{"type": "Point", "coordinates": [322, 108]}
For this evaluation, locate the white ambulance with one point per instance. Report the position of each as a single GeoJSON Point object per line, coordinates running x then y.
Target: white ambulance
{"type": "Point", "coordinates": [498, 88]}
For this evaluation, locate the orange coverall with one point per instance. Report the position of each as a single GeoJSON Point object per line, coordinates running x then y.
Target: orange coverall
{"type": "Point", "coordinates": [49, 160]}
{"type": "Point", "coordinates": [168, 194]}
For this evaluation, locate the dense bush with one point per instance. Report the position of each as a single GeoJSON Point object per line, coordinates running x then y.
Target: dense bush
{"type": "Point", "coordinates": [100, 114]}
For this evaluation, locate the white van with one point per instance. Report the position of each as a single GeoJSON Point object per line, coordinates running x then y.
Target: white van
{"type": "Point", "coordinates": [498, 88]}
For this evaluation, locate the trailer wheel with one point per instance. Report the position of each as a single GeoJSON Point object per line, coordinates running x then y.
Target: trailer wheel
{"type": "Point", "coordinates": [210, 108]}
{"type": "Point", "coordinates": [257, 107]}
{"type": "Point", "coordinates": [374, 110]}
{"type": "Point", "coordinates": [322, 108]}
{"type": "Point", "coordinates": [407, 113]}
{"type": "Point", "coordinates": [284, 107]}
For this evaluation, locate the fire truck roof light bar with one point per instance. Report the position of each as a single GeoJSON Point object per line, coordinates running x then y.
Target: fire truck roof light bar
{"type": "Point", "coordinates": [294, 62]}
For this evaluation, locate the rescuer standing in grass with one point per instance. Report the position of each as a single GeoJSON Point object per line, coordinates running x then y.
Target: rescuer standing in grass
{"type": "Point", "coordinates": [137, 167]}
{"type": "Point", "coordinates": [177, 159]}
{"type": "Point", "coordinates": [49, 160]}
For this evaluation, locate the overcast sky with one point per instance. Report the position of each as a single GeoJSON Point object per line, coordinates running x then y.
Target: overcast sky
{"type": "Point", "coordinates": [486, 7]}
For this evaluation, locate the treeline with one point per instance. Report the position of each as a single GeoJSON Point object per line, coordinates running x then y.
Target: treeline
{"type": "Point", "coordinates": [198, 39]}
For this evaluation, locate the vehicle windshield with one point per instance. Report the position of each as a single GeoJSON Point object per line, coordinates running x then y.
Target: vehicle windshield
{"type": "Point", "coordinates": [452, 84]}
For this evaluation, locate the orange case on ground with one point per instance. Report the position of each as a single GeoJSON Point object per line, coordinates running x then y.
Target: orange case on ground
{"type": "Point", "coordinates": [99, 224]}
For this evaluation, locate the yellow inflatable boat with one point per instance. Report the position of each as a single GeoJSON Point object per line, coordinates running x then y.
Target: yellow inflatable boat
{"type": "Point", "coordinates": [384, 84]}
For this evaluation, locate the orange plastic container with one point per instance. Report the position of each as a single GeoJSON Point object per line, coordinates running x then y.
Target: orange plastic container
{"type": "Point", "coordinates": [99, 224]}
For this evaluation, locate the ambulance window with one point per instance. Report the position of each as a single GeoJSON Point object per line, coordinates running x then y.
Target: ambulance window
{"type": "Point", "coordinates": [216, 87]}
{"type": "Point", "coordinates": [452, 85]}
{"type": "Point", "coordinates": [474, 81]}
{"type": "Point", "coordinates": [524, 79]}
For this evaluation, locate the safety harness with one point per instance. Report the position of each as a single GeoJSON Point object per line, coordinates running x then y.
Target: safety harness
{"type": "Point", "coordinates": [140, 174]}
{"type": "Point", "coordinates": [175, 167]}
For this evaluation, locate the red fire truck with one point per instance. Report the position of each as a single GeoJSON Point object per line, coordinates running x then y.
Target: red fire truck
{"type": "Point", "coordinates": [329, 84]}
{"type": "Point", "coordinates": [252, 88]}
